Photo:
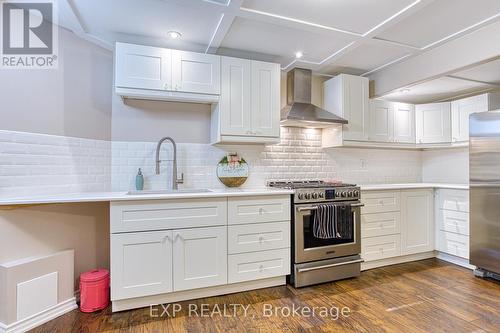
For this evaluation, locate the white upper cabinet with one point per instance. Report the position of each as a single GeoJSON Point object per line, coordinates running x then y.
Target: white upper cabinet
{"type": "Point", "coordinates": [460, 112]}
{"type": "Point", "coordinates": [265, 99]}
{"type": "Point", "coordinates": [235, 100]}
{"type": "Point", "coordinates": [433, 122]}
{"type": "Point", "coordinates": [249, 108]}
{"type": "Point", "coordinates": [381, 121]}
{"type": "Point", "coordinates": [404, 123]}
{"type": "Point", "coordinates": [347, 96]}
{"type": "Point", "coordinates": [143, 67]}
{"type": "Point", "coordinates": [195, 72]}
{"type": "Point", "coordinates": [392, 122]}
{"type": "Point", "coordinates": [146, 72]}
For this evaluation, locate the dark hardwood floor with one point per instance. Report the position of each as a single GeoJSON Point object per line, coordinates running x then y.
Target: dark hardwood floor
{"type": "Point", "coordinates": [423, 296]}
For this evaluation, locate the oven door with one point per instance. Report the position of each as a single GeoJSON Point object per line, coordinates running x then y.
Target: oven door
{"type": "Point", "coordinates": [309, 248]}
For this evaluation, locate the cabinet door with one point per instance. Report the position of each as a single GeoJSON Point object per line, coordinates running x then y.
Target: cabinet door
{"type": "Point", "coordinates": [433, 123]}
{"type": "Point", "coordinates": [265, 99]}
{"type": "Point", "coordinates": [142, 67]}
{"type": "Point", "coordinates": [460, 112]}
{"type": "Point", "coordinates": [381, 121]}
{"type": "Point", "coordinates": [356, 107]}
{"type": "Point", "coordinates": [235, 99]}
{"type": "Point", "coordinates": [141, 264]}
{"type": "Point", "coordinates": [404, 122]}
{"type": "Point", "coordinates": [417, 221]}
{"type": "Point", "coordinates": [200, 257]}
{"type": "Point", "coordinates": [195, 72]}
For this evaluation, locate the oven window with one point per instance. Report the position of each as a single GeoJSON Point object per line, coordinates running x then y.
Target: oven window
{"type": "Point", "coordinates": [311, 242]}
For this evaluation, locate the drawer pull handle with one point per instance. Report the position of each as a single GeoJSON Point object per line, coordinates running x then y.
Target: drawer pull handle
{"type": "Point", "coordinates": [300, 270]}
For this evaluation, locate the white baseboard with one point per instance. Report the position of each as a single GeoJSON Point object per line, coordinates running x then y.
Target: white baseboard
{"type": "Point", "coordinates": [396, 260]}
{"type": "Point", "coordinates": [39, 318]}
{"type": "Point", "coordinates": [140, 302]}
{"type": "Point", "coordinates": [455, 260]}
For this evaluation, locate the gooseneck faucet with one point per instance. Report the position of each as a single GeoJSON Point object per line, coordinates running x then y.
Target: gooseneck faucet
{"type": "Point", "coordinates": [175, 181]}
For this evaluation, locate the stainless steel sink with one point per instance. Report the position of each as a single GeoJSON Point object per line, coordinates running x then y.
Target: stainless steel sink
{"type": "Point", "coordinates": [152, 192]}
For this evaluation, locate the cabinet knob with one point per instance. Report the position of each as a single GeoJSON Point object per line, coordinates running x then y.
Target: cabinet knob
{"type": "Point", "coordinates": [261, 239]}
{"type": "Point", "coordinates": [166, 86]}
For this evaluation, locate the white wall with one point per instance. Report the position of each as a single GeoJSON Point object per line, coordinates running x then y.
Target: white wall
{"type": "Point", "coordinates": [446, 166]}
{"type": "Point", "coordinates": [73, 100]}
{"type": "Point", "coordinates": [137, 120]}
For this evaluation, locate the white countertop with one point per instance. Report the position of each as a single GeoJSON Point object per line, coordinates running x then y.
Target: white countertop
{"type": "Point", "coordinates": [123, 196]}
{"type": "Point", "coordinates": [375, 187]}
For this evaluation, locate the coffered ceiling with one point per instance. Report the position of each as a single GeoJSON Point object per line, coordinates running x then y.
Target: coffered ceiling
{"type": "Point", "coordinates": [351, 36]}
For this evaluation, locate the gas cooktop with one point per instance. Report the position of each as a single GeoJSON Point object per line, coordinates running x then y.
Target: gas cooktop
{"type": "Point", "coordinates": [296, 184]}
{"type": "Point", "coordinates": [318, 190]}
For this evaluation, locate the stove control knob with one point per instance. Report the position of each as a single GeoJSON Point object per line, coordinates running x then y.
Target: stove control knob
{"type": "Point", "coordinates": [315, 195]}
{"type": "Point", "coordinates": [344, 194]}
{"type": "Point", "coordinates": [322, 195]}
{"type": "Point", "coordinates": [356, 193]}
{"type": "Point", "coordinates": [350, 193]}
{"type": "Point", "coordinates": [300, 196]}
{"type": "Point", "coordinates": [308, 196]}
{"type": "Point", "coordinates": [337, 194]}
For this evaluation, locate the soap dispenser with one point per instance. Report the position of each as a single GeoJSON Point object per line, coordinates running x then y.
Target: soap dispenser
{"type": "Point", "coordinates": [139, 181]}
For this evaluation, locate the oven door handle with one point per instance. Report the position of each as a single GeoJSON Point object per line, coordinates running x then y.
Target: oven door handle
{"type": "Point", "coordinates": [301, 270]}
{"type": "Point", "coordinates": [301, 209]}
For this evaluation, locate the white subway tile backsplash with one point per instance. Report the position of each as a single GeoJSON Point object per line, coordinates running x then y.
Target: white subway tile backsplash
{"type": "Point", "coordinates": [32, 164]}
{"type": "Point", "coordinates": [40, 164]}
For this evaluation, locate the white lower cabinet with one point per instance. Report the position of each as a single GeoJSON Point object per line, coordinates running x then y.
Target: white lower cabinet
{"type": "Point", "coordinates": [417, 230]}
{"type": "Point", "coordinates": [452, 222]}
{"type": "Point", "coordinates": [141, 264]}
{"type": "Point", "coordinates": [380, 224]}
{"type": "Point", "coordinates": [396, 223]}
{"type": "Point", "coordinates": [198, 249]}
{"type": "Point", "coordinates": [199, 257]}
{"type": "Point", "coordinates": [258, 237]}
{"type": "Point", "coordinates": [258, 265]}
{"type": "Point", "coordinates": [381, 247]}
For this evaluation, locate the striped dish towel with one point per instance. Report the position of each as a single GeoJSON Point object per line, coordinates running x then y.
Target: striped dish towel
{"type": "Point", "coordinates": [333, 221]}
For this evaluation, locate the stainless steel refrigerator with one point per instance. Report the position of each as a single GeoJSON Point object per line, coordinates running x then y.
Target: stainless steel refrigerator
{"type": "Point", "coordinates": [484, 174]}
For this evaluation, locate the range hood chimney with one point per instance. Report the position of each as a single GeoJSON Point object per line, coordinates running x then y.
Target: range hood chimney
{"type": "Point", "coordinates": [299, 111]}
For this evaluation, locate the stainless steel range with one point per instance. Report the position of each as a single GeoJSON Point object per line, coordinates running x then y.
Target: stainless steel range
{"type": "Point", "coordinates": [317, 260]}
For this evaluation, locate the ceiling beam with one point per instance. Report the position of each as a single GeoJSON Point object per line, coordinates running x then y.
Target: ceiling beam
{"type": "Point", "coordinates": [473, 48]}
{"type": "Point", "coordinates": [223, 26]}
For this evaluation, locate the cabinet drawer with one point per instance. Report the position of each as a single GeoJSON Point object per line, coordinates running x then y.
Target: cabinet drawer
{"type": "Point", "coordinates": [457, 200]}
{"type": "Point", "coordinates": [381, 247]}
{"type": "Point", "coordinates": [453, 221]}
{"type": "Point", "coordinates": [380, 201]}
{"type": "Point", "coordinates": [258, 265]}
{"type": "Point", "coordinates": [258, 237]}
{"type": "Point", "coordinates": [380, 224]}
{"type": "Point", "coordinates": [167, 214]}
{"type": "Point", "coordinates": [258, 209]}
{"type": "Point", "coordinates": [451, 243]}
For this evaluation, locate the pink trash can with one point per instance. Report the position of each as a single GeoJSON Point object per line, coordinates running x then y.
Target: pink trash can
{"type": "Point", "coordinates": [94, 290]}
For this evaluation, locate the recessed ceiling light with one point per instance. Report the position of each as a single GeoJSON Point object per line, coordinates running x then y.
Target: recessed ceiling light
{"type": "Point", "coordinates": [174, 34]}
{"type": "Point", "coordinates": [298, 54]}
{"type": "Point", "coordinates": [404, 91]}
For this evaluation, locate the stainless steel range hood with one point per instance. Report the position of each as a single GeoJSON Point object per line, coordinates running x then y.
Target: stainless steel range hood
{"type": "Point", "coordinates": [300, 112]}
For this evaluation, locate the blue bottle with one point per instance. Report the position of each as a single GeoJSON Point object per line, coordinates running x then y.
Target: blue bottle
{"type": "Point", "coordinates": [139, 181]}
